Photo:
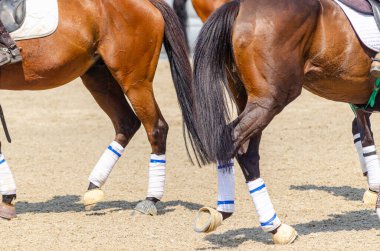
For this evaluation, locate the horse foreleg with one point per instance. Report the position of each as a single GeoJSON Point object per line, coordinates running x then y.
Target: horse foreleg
{"type": "Point", "coordinates": [7, 189]}
{"type": "Point", "coordinates": [370, 157]}
{"type": "Point", "coordinates": [110, 97]}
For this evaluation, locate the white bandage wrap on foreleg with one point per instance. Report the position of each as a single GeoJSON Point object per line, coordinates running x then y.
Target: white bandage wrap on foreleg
{"type": "Point", "coordinates": [226, 188]}
{"type": "Point", "coordinates": [156, 176]}
{"type": "Point", "coordinates": [105, 164]}
{"type": "Point", "coordinates": [359, 150]}
{"type": "Point", "coordinates": [373, 167]}
{"type": "Point", "coordinates": [264, 208]}
{"type": "Point", "coordinates": [7, 181]}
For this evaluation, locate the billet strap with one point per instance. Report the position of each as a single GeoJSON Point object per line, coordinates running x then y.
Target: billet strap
{"type": "Point", "coordinates": [2, 118]}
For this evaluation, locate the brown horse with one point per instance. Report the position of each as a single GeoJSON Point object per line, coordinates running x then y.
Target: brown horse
{"type": "Point", "coordinates": [114, 46]}
{"type": "Point", "coordinates": [264, 53]}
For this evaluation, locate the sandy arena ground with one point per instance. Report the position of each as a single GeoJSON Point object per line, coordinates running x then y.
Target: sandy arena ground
{"type": "Point", "coordinates": [308, 161]}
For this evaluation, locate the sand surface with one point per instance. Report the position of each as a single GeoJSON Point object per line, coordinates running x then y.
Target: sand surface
{"type": "Point", "coordinates": [308, 162]}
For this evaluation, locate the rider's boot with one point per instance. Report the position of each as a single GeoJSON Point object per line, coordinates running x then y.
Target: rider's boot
{"type": "Point", "coordinates": [375, 67]}
{"type": "Point", "coordinates": [9, 53]}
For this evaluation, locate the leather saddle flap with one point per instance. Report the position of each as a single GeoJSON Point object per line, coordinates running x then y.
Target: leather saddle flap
{"type": "Point", "coordinates": [12, 13]}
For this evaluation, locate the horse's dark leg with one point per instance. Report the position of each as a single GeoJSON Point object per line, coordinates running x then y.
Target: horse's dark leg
{"type": "Point", "coordinates": [358, 145]}
{"type": "Point", "coordinates": [7, 189]}
{"type": "Point", "coordinates": [370, 157]}
{"type": "Point", "coordinates": [110, 97]}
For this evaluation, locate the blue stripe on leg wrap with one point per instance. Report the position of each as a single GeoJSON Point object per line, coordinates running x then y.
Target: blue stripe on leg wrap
{"type": "Point", "coordinates": [153, 161]}
{"type": "Point", "coordinates": [2, 161]}
{"type": "Point", "coordinates": [257, 189]}
{"type": "Point", "coordinates": [227, 202]}
{"type": "Point", "coordinates": [269, 222]}
{"type": "Point", "coordinates": [114, 151]}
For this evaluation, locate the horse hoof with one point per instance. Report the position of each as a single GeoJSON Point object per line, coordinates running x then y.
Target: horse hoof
{"type": "Point", "coordinates": [285, 235]}
{"type": "Point", "coordinates": [146, 207]}
{"type": "Point", "coordinates": [91, 197]}
{"type": "Point", "coordinates": [7, 211]}
{"type": "Point", "coordinates": [207, 220]}
{"type": "Point", "coordinates": [370, 198]}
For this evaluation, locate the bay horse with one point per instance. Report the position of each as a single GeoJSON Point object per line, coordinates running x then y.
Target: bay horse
{"type": "Point", "coordinates": [114, 47]}
{"type": "Point", "coordinates": [264, 53]}
{"type": "Point", "coordinates": [361, 126]}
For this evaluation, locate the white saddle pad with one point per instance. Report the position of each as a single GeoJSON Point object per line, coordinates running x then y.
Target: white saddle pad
{"type": "Point", "coordinates": [364, 26]}
{"type": "Point", "coordinates": [41, 20]}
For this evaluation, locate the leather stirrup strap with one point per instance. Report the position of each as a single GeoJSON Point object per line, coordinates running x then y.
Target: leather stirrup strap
{"type": "Point", "coordinates": [376, 11]}
{"type": "Point", "coordinates": [2, 118]}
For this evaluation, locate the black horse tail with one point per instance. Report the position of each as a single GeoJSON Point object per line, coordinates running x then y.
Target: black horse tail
{"type": "Point", "coordinates": [175, 46]}
{"type": "Point", "coordinates": [179, 7]}
{"type": "Point", "coordinates": [213, 57]}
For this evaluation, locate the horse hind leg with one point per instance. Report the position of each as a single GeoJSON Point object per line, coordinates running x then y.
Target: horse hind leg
{"type": "Point", "coordinates": [7, 189]}
{"type": "Point", "coordinates": [370, 158]}
{"type": "Point", "coordinates": [110, 97]}
{"type": "Point", "coordinates": [134, 70]}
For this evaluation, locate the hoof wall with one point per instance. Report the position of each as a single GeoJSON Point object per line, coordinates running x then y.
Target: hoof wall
{"type": "Point", "coordinates": [370, 198]}
{"type": "Point", "coordinates": [207, 220]}
{"type": "Point", "coordinates": [91, 197]}
{"type": "Point", "coordinates": [285, 235]}
{"type": "Point", "coordinates": [146, 207]}
{"type": "Point", "coordinates": [7, 211]}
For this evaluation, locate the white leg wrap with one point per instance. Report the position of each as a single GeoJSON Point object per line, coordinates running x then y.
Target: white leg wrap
{"type": "Point", "coordinates": [264, 208]}
{"type": "Point", "coordinates": [373, 167]}
{"type": "Point", "coordinates": [226, 188]}
{"type": "Point", "coordinates": [359, 150]}
{"type": "Point", "coordinates": [156, 176]}
{"type": "Point", "coordinates": [105, 164]}
{"type": "Point", "coordinates": [7, 181]}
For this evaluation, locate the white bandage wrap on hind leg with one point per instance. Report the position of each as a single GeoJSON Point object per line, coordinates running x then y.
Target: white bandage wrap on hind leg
{"type": "Point", "coordinates": [226, 188]}
{"type": "Point", "coordinates": [264, 208]}
{"type": "Point", "coordinates": [7, 181]}
{"type": "Point", "coordinates": [156, 176]}
{"type": "Point", "coordinates": [373, 167]}
{"type": "Point", "coordinates": [107, 161]}
{"type": "Point", "coordinates": [359, 150]}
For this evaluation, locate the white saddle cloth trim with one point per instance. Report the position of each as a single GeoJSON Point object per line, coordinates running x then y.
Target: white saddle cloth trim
{"type": "Point", "coordinates": [364, 26]}
{"type": "Point", "coordinates": [41, 20]}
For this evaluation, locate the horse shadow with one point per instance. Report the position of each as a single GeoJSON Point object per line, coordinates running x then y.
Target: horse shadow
{"type": "Point", "coordinates": [350, 221]}
{"type": "Point", "coordinates": [347, 192]}
{"type": "Point", "coordinates": [72, 203]}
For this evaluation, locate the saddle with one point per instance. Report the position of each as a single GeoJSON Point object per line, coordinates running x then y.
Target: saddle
{"type": "Point", "coordinates": [12, 13]}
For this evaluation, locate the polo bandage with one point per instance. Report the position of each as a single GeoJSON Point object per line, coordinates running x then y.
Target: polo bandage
{"type": "Point", "coordinates": [264, 208]}
{"type": "Point", "coordinates": [105, 164]}
{"type": "Point", "coordinates": [226, 188]}
{"type": "Point", "coordinates": [373, 167]}
{"type": "Point", "coordinates": [359, 150]}
{"type": "Point", "coordinates": [7, 181]}
{"type": "Point", "coordinates": [156, 176]}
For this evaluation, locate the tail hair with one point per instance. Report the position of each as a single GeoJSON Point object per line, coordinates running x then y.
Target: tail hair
{"type": "Point", "coordinates": [213, 57]}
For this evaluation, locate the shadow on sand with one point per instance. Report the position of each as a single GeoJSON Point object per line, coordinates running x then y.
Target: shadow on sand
{"type": "Point", "coordinates": [72, 203]}
{"type": "Point", "coordinates": [350, 221]}
{"type": "Point", "coordinates": [349, 193]}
